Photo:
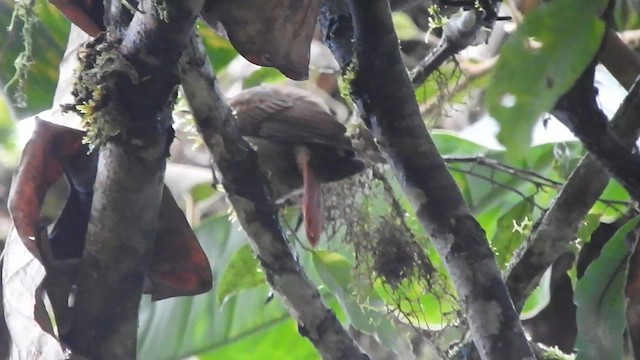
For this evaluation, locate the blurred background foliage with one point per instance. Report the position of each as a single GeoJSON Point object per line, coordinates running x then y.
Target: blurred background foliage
{"type": "Point", "coordinates": [239, 318]}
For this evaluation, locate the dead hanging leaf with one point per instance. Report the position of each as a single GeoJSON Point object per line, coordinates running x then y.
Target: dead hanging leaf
{"type": "Point", "coordinates": [40, 167]}
{"type": "Point", "coordinates": [179, 266]}
{"type": "Point", "coordinates": [86, 14]}
{"type": "Point", "coordinates": [274, 33]}
{"type": "Point", "coordinates": [27, 320]}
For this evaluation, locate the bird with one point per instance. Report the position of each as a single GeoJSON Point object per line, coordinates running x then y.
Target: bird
{"type": "Point", "coordinates": [299, 145]}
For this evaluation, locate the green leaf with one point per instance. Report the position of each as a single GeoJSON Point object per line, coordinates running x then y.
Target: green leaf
{"type": "Point", "coordinates": [449, 143]}
{"type": "Point", "coordinates": [600, 300]}
{"type": "Point", "coordinates": [513, 227]}
{"type": "Point", "coordinates": [273, 342]}
{"type": "Point", "coordinates": [611, 212]}
{"type": "Point", "coordinates": [243, 272]}
{"type": "Point", "coordinates": [418, 305]}
{"type": "Point", "coordinates": [588, 226]}
{"type": "Point", "coordinates": [202, 192]}
{"type": "Point", "coordinates": [8, 149]}
{"type": "Point", "coordinates": [531, 76]}
{"type": "Point", "coordinates": [367, 315]}
{"type": "Point", "coordinates": [334, 270]}
{"type": "Point", "coordinates": [488, 189]}
{"type": "Point", "coordinates": [180, 327]}
{"type": "Point", "coordinates": [220, 50]}
{"type": "Point", "coordinates": [264, 75]}
{"type": "Point", "coordinates": [405, 27]}
{"type": "Point", "coordinates": [539, 298]}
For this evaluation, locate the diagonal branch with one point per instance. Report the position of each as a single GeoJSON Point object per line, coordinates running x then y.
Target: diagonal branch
{"type": "Point", "coordinates": [129, 182]}
{"type": "Point", "coordinates": [384, 95]}
{"type": "Point", "coordinates": [244, 184]}
{"type": "Point", "coordinates": [579, 111]}
{"type": "Point", "coordinates": [558, 226]}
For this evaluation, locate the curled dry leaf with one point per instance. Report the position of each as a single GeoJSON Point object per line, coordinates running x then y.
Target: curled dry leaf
{"type": "Point", "coordinates": [274, 33]}
{"type": "Point", "coordinates": [27, 320]}
{"type": "Point", "coordinates": [41, 165]}
{"type": "Point", "coordinates": [86, 14]}
{"type": "Point", "coordinates": [179, 266]}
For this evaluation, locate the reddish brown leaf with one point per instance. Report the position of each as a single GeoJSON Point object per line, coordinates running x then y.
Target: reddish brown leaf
{"type": "Point", "coordinates": [41, 165]}
{"type": "Point", "coordinates": [86, 14]}
{"type": "Point", "coordinates": [179, 266]}
{"type": "Point", "coordinates": [275, 33]}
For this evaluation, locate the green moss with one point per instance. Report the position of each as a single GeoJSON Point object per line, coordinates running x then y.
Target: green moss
{"type": "Point", "coordinates": [553, 353]}
{"type": "Point", "coordinates": [96, 96]}
{"type": "Point", "coordinates": [348, 76]}
{"type": "Point", "coordinates": [22, 13]}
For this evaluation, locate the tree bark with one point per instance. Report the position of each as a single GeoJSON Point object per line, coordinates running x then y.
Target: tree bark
{"type": "Point", "coordinates": [559, 224]}
{"type": "Point", "coordinates": [129, 184]}
{"type": "Point", "coordinates": [385, 99]}
{"type": "Point", "coordinates": [578, 109]}
{"type": "Point", "coordinates": [245, 186]}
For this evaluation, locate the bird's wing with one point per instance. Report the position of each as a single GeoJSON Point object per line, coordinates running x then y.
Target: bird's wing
{"type": "Point", "coordinates": [287, 115]}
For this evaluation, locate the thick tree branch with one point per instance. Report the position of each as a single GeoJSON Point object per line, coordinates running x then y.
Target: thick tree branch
{"type": "Point", "coordinates": [384, 95]}
{"type": "Point", "coordinates": [621, 61]}
{"type": "Point", "coordinates": [579, 111]}
{"type": "Point", "coordinates": [246, 190]}
{"type": "Point", "coordinates": [557, 228]}
{"type": "Point", "coordinates": [129, 183]}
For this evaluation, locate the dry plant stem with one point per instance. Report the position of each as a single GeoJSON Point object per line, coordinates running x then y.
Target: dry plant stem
{"type": "Point", "coordinates": [246, 190]}
{"type": "Point", "coordinates": [128, 190]}
{"type": "Point", "coordinates": [560, 223]}
{"type": "Point", "coordinates": [384, 95]}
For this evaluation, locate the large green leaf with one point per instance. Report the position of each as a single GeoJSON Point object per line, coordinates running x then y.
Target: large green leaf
{"type": "Point", "coordinates": [280, 341]}
{"type": "Point", "coordinates": [486, 189]}
{"type": "Point", "coordinates": [600, 300]}
{"type": "Point", "coordinates": [334, 270]}
{"type": "Point", "coordinates": [243, 272]}
{"type": "Point", "coordinates": [365, 313]}
{"type": "Point", "coordinates": [531, 75]}
{"type": "Point", "coordinates": [175, 328]}
{"type": "Point", "coordinates": [539, 298]}
{"type": "Point", "coordinates": [449, 143]}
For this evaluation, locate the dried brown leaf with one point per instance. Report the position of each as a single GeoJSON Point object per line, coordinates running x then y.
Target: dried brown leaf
{"type": "Point", "coordinates": [274, 33]}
